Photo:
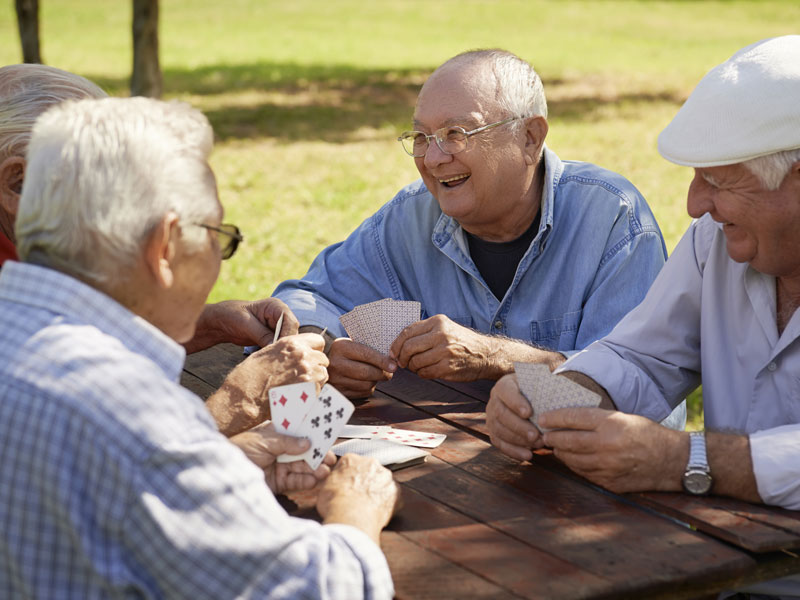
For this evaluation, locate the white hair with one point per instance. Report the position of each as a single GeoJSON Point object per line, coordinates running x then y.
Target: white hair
{"type": "Point", "coordinates": [26, 91]}
{"type": "Point", "coordinates": [519, 90]}
{"type": "Point", "coordinates": [773, 168]}
{"type": "Point", "coordinates": [102, 173]}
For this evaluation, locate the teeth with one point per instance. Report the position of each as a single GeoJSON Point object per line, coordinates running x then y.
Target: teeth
{"type": "Point", "coordinates": [456, 178]}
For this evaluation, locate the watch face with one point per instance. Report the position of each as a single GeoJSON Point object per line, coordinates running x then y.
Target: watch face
{"type": "Point", "coordinates": [697, 482]}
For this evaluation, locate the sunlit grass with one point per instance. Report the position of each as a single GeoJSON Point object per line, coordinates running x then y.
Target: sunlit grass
{"type": "Point", "coordinates": [307, 97]}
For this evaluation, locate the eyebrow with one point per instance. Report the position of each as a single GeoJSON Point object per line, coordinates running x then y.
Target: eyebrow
{"type": "Point", "coordinates": [710, 179]}
{"type": "Point", "coordinates": [467, 123]}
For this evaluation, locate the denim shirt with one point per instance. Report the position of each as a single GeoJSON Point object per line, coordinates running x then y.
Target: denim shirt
{"type": "Point", "coordinates": [594, 257]}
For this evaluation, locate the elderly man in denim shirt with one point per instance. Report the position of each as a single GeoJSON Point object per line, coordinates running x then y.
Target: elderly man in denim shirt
{"type": "Point", "coordinates": [514, 254]}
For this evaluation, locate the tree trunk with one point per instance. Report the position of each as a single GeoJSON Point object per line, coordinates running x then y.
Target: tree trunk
{"type": "Point", "coordinates": [28, 22]}
{"type": "Point", "coordinates": [146, 78]}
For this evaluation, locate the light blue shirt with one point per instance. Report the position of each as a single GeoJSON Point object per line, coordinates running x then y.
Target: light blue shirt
{"type": "Point", "coordinates": [114, 481]}
{"type": "Point", "coordinates": [596, 253]}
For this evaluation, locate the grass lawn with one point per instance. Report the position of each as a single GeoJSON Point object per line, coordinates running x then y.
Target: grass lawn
{"type": "Point", "coordinates": [307, 97]}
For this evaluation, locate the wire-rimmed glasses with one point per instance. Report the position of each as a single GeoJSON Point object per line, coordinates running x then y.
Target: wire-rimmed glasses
{"type": "Point", "coordinates": [234, 237]}
{"type": "Point", "coordinates": [451, 140]}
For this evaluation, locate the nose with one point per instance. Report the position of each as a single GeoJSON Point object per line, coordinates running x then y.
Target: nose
{"type": "Point", "coordinates": [700, 199]}
{"type": "Point", "coordinates": [435, 157]}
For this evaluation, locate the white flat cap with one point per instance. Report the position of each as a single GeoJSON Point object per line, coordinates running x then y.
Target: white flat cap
{"type": "Point", "coordinates": [747, 107]}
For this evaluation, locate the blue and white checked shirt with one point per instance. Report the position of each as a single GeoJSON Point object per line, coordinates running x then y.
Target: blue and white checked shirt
{"type": "Point", "coordinates": [114, 481]}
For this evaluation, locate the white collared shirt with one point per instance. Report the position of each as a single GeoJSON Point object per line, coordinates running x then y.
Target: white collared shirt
{"type": "Point", "coordinates": [708, 316]}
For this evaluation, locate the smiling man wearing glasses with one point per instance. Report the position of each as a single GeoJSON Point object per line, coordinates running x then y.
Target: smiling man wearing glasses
{"type": "Point", "coordinates": [514, 254]}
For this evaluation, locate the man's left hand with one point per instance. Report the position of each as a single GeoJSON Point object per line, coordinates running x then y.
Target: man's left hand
{"type": "Point", "coordinates": [439, 348]}
{"type": "Point", "coordinates": [262, 445]}
{"type": "Point", "coordinates": [618, 451]}
{"type": "Point", "coordinates": [242, 323]}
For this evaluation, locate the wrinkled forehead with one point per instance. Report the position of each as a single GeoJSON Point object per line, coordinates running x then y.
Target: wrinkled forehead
{"type": "Point", "coordinates": [457, 94]}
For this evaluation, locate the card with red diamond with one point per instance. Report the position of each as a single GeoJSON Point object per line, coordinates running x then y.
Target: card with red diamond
{"type": "Point", "coordinates": [289, 405]}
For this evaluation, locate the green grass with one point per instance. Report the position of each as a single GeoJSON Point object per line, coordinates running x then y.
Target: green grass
{"type": "Point", "coordinates": [306, 97]}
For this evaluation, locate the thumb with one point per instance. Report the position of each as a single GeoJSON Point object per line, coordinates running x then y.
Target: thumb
{"type": "Point", "coordinates": [291, 445]}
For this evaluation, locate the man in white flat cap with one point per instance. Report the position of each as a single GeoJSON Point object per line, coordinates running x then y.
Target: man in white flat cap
{"type": "Point", "coordinates": [723, 312]}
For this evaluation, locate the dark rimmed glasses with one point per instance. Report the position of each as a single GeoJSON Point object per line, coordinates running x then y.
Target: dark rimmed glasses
{"type": "Point", "coordinates": [234, 237]}
{"type": "Point", "coordinates": [451, 140]}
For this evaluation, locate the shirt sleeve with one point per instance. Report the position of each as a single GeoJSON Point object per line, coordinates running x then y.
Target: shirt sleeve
{"type": "Point", "coordinates": [342, 276]}
{"type": "Point", "coordinates": [203, 524]}
{"type": "Point", "coordinates": [776, 463]}
{"type": "Point", "coordinates": [651, 359]}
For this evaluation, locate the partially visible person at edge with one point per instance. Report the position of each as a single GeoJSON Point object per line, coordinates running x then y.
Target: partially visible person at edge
{"type": "Point", "coordinates": [26, 91]}
{"type": "Point", "coordinates": [722, 311]}
{"type": "Point", "coordinates": [514, 254]}
{"type": "Point", "coordinates": [120, 483]}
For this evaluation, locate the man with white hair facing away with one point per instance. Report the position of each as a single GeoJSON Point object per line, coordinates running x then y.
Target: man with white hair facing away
{"type": "Point", "coordinates": [724, 308]}
{"type": "Point", "coordinates": [115, 480]}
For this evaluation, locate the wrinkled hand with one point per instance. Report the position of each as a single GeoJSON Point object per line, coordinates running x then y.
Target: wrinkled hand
{"type": "Point", "coordinates": [262, 445]}
{"type": "Point", "coordinates": [359, 492]}
{"type": "Point", "coordinates": [355, 369]}
{"type": "Point", "coordinates": [242, 323]}
{"type": "Point", "coordinates": [618, 451]}
{"type": "Point", "coordinates": [439, 348]}
{"type": "Point", "coordinates": [507, 415]}
{"type": "Point", "coordinates": [242, 400]}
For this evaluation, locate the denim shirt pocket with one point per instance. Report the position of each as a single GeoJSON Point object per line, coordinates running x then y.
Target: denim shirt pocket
{"type": "Point", "coordinates": [557, 334]}
{"type": "Point", "coordinates": [464, 321]}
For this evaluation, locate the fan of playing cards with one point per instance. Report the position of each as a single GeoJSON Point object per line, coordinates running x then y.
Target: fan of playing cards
{"type": "Point", "coordinates": [298, 411]}
{"type": "Point", "coordinates": [377, 324]}
{"type": "Point", "coordinates": [546, 391]}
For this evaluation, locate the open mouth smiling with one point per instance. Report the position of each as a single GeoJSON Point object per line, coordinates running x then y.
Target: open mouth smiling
{"type": "Point", "coordinates": [455, 180]}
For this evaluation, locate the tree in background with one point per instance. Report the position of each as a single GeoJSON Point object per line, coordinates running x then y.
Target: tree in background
{"type": "Point", "coordinates": [146, 77]}
{"type": "Point", "coordinates": [28, 22]}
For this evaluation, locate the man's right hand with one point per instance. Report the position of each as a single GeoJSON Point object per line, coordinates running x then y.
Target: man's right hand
{"type": "Point", "coordinates": [359, 492]}
{"type": "Point", "coordinates": [242, 400]}
{"type": "Point", "coordinates": [507, 415]}
{"type": "Point", "coordinates": [355, 369]}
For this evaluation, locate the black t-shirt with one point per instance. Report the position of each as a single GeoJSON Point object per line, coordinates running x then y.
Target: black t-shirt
{"type": "Point", "coordinates": [497, 261]}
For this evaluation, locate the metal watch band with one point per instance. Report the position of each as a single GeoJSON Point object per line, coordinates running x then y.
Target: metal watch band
{"type": "Point", "coordinates": [697, 451]}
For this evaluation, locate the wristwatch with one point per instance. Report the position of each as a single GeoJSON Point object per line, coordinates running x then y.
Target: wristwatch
{"type": "Point", "coordinates": [697, 478]}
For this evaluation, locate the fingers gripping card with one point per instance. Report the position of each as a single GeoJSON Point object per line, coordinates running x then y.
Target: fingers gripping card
{"type": "Point", "coordinates": [546, 391]}
{"type": "Point", "coordinates": [322, 425]}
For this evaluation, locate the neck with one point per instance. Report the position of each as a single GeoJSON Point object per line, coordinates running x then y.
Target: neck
{"type": "Point", "coordinates": [7, 225]}
{"type": "Point", "coordinates": [788, 300]}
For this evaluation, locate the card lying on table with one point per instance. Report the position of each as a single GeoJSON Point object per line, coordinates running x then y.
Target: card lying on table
{"type": "Point", "coordinates": [390, 454]}
{"type": "Point", "coordinates": [299, 412]}
{"type": "Point", "coordinates": [421, 439]}
{"type": "Point", "coordinates": [377, 324]}
{"type": "Point", "coordinates": [546, 391]}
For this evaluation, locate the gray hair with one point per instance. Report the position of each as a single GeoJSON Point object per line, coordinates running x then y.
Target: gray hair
{"type": "Point", "coordinates": [102, 173]}
{"type": "Point", "coordinates": [519, 90]}
{"type": "Point", "coordinates": [773, 168]}
{"type": "Point", "coordinates": [26, 91]}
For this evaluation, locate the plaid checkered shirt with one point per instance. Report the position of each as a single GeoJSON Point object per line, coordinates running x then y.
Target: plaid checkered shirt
{"type": "Point", "coordinates": [114, 481]}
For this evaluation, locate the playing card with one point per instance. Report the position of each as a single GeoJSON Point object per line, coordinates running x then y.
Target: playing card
{"type": "Point", "coordinates": [377, 324]}
{"type": "Point", "coordinates": [328, 415]}
{"type": "Point", "coordinates": [362, 431]}
{"type": "Point", "coordinates": [546, 391]}
{"type": "Point", "coordinates": [389, 454]}
{"type": "Point", "coordinates": [420, 439]}
{"type": "Point", "coordinates": [289, 405]}
{"type": "Point", "coordinates": [278, 326]}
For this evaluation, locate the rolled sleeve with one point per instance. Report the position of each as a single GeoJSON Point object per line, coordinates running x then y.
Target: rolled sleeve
{"type": "Point", "coordinates": [776, 464]}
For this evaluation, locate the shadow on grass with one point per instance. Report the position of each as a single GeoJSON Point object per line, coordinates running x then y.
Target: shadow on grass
{"type": "Point", "coordinates": [332, 103]}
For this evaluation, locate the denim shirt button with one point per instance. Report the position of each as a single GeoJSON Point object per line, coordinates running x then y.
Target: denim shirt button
{"type": "Point", "coordinates": [771, 367]}
{"type": "Point", "coordinates": [498, 324]}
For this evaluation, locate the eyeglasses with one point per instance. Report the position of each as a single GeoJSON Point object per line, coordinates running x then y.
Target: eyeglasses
{"type": "Point", "coordinates": [451, 140]}
{"type": "Point", "coordinates": [234, 237]}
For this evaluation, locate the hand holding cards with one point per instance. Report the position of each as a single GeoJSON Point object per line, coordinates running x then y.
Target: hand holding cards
{"type": "Point", "coordinates": [546, 391]}
{"type": "Point", "coordinates": [298, 411]}
{"type": "Point", "coordinates": [377, 324]}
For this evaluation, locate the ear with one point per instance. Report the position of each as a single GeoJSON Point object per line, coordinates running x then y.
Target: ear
{"type": "Point", "coordinates": [536, 129]}
{"type": "Point", "coordinates": [12, 172]}
{"type": "Point", "coordinates": [160, 250]}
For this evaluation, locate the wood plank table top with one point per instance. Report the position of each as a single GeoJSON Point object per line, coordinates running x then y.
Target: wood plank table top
{"type": "Point", "coordinates": [477, 524]}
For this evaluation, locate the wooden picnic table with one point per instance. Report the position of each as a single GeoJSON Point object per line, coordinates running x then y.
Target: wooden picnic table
{"type": "Point", "coordinates": [477, 524]}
